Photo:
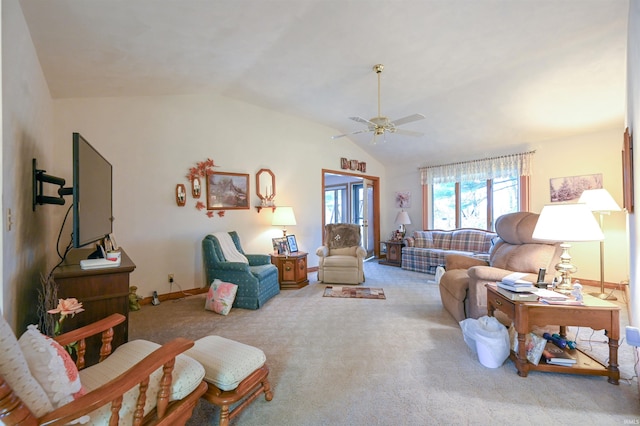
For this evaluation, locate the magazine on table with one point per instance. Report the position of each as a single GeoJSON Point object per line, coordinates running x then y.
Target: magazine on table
{"type": "Point", "coordinates": [543, 293]}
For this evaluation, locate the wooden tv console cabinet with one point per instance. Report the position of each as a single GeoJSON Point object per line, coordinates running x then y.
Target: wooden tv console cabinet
{"type": "Point", "coordinates": [102, 292]}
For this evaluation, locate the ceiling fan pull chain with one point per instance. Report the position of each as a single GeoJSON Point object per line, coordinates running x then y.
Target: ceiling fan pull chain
{"type": "Point", "coordinates": [378, 69]}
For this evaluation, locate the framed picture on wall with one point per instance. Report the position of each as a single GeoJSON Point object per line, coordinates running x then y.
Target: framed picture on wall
{"type": "Point", "coordinates": [227, 191]}
{"type": "Point", "coordinates": [627, 171]}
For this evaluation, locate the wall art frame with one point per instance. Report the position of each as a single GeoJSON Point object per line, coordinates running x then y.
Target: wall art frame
{"type": "Point", "coordinates": [227, 191]}
{"type": "Point", "coordinates": [570, 188]}
{"type": "Point", "coordinates": [627, 171]}
{"type": "Point", "coordinates": [403, 199]}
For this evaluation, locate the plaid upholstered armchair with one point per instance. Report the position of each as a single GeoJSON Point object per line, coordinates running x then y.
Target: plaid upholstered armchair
{"type": "Point", "coordinates": [341, 256]}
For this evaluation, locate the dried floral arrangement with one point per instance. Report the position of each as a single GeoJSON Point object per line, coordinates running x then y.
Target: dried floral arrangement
{"type": "Point", "coordinates": [202, 170]}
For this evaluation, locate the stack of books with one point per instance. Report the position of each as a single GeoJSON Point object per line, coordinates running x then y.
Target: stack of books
{"type": "Point", "coordinates": [557, 356]}
{"type": "Point", "coordinates": [514, 287]}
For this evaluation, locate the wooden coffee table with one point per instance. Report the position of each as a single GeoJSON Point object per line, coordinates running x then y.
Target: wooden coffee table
{"type": "Point", "coordinates": [597, 314]}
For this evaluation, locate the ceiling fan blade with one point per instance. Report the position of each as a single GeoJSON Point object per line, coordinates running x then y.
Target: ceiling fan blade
{"type": "Point", "coordinates": [408, 132]}
{"type": "Point", "coordinates": [408, 119]}
{"type": "Point", "coordinates": [362, 120]}
{"type": "Point", "coordinates": [349, 134]}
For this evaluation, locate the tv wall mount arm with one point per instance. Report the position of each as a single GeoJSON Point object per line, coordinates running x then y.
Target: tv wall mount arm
{"type": "Point", "coordinates": [39, 179]}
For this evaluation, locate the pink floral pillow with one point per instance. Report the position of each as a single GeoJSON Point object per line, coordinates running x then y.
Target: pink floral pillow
{"type": "Point", "coordinates": [52, 367]}
{"type": "Point", "coordinates": [220, 297]}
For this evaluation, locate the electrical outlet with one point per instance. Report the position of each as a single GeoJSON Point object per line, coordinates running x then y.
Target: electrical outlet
{"type": "Point", "coordinates": [170, 278]}
{"type": "Point", "coordinates": [633, 335]}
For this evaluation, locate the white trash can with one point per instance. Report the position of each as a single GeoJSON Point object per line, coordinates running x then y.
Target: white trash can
{"type": "Point", "coordinates": [487, 337]}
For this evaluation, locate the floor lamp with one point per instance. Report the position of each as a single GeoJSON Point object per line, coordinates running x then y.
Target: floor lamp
{"type": "Point", "coordinates": [600, 201]}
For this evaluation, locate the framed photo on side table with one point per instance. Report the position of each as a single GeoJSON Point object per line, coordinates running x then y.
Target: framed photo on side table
{"type": "Point", "coordinates": [280, 245]}
{"type": "Point", "coordinates": [291, 242]}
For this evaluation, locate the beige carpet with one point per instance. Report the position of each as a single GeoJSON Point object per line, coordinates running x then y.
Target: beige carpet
{"type": "Point", "coordinates": [401, 361]}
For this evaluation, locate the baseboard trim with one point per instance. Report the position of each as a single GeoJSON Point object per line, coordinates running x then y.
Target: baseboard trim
{"type": "Point", "coordinates": [175, 295]}
{"type": "Point", "coordinates": [593, 283]}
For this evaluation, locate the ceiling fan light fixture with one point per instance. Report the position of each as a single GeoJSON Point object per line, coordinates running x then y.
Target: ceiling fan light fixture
{"type": "Point", "coordinates": [380, 125]}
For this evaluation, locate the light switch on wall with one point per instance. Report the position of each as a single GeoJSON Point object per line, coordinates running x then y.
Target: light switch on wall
{"type": "Point", "coordinates": [9, 220]}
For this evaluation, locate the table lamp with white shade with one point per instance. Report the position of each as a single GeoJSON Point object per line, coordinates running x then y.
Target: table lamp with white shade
{"type": "Point", "coordinates": [565, 223]}
{"type": "Point", "coordinates": [283, 216]}
{"type": "Point", "coordinates": [402, 219]}
{"type": "Point", "coordinates": [600, 201]}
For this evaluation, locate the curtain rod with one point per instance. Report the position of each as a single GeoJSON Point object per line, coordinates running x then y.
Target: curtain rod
{"type": "Point", "coordinates": [475, 161]}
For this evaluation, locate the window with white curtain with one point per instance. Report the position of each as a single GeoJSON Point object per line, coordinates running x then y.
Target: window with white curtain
{"type": "Point", "coordinates": [472, 194]}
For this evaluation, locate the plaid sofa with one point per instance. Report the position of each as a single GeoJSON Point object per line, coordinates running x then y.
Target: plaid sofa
{"type": "Point", "coordinates": [425, 250]}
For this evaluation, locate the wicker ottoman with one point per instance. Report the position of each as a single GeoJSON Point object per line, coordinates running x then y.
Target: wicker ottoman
{"type": "Point", "coordinates": [233, 371]}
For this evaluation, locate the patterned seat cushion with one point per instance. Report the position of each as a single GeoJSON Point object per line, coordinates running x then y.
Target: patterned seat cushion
{"type": "Point", "coordinates": [472, 240]}
{"type": "Point", "coordinates": [226, 362]}
{"type": "Point", "coordinates": [187, 376]}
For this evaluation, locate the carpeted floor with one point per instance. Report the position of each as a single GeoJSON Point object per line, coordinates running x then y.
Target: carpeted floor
{"type": "Point", "coordinates": [399, 361]}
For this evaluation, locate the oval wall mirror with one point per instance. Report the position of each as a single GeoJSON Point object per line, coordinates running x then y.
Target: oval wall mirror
{"type": "Point", "coordinates": [265, 185]}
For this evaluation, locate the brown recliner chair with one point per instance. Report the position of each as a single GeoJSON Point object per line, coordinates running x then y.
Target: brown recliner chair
{"type": "Point", "coordinates": [462, 286]}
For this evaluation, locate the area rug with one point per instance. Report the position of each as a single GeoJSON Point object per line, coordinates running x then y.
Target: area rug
{"type": "Point", "coordinates": [354, 292]}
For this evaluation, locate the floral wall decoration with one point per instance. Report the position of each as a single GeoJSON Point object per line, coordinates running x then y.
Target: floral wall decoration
{"type": "Point", "coordinates": [403, 199]}
{"type": "Point", "coordinates": [200, 173]}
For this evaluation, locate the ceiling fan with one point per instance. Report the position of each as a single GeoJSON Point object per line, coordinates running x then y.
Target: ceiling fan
{"type": "Point", "coordinates": [380, 125]}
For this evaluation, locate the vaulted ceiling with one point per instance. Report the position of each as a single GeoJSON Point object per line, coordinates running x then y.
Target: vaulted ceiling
{"type": "Point", "coordinates": [491, 76]}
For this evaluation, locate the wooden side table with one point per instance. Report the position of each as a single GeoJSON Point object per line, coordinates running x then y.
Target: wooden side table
{"type": "Point", "coordinates": [292, 269]}
{"type": "Point", "coordinates": [394, 253]}
{"type": "Point", "coordinates": [597, 314]}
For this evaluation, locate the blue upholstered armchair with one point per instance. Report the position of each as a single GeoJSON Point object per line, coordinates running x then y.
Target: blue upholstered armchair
{"type": "Point", "coordinates": [257, 281]}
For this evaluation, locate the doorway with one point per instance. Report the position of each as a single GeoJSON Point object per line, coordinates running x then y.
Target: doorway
{"type": "Point", "coordinates": [353, 198]}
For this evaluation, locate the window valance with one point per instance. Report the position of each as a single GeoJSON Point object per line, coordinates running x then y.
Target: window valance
{"type": "Point", "coordinates": [487, 168]}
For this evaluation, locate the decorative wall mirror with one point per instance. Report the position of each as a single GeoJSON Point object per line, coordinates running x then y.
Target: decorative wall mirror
{"type": "Point", "coordinates": [266, 186]}
{"type": "Point", "coordinates": [181, 195]}
{"type": "Point", "coordinates": [196, 187]}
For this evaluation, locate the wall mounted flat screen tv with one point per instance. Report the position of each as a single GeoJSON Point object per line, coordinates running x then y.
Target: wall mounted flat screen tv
{"type": "Point", "coordinates": [92, 194]}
